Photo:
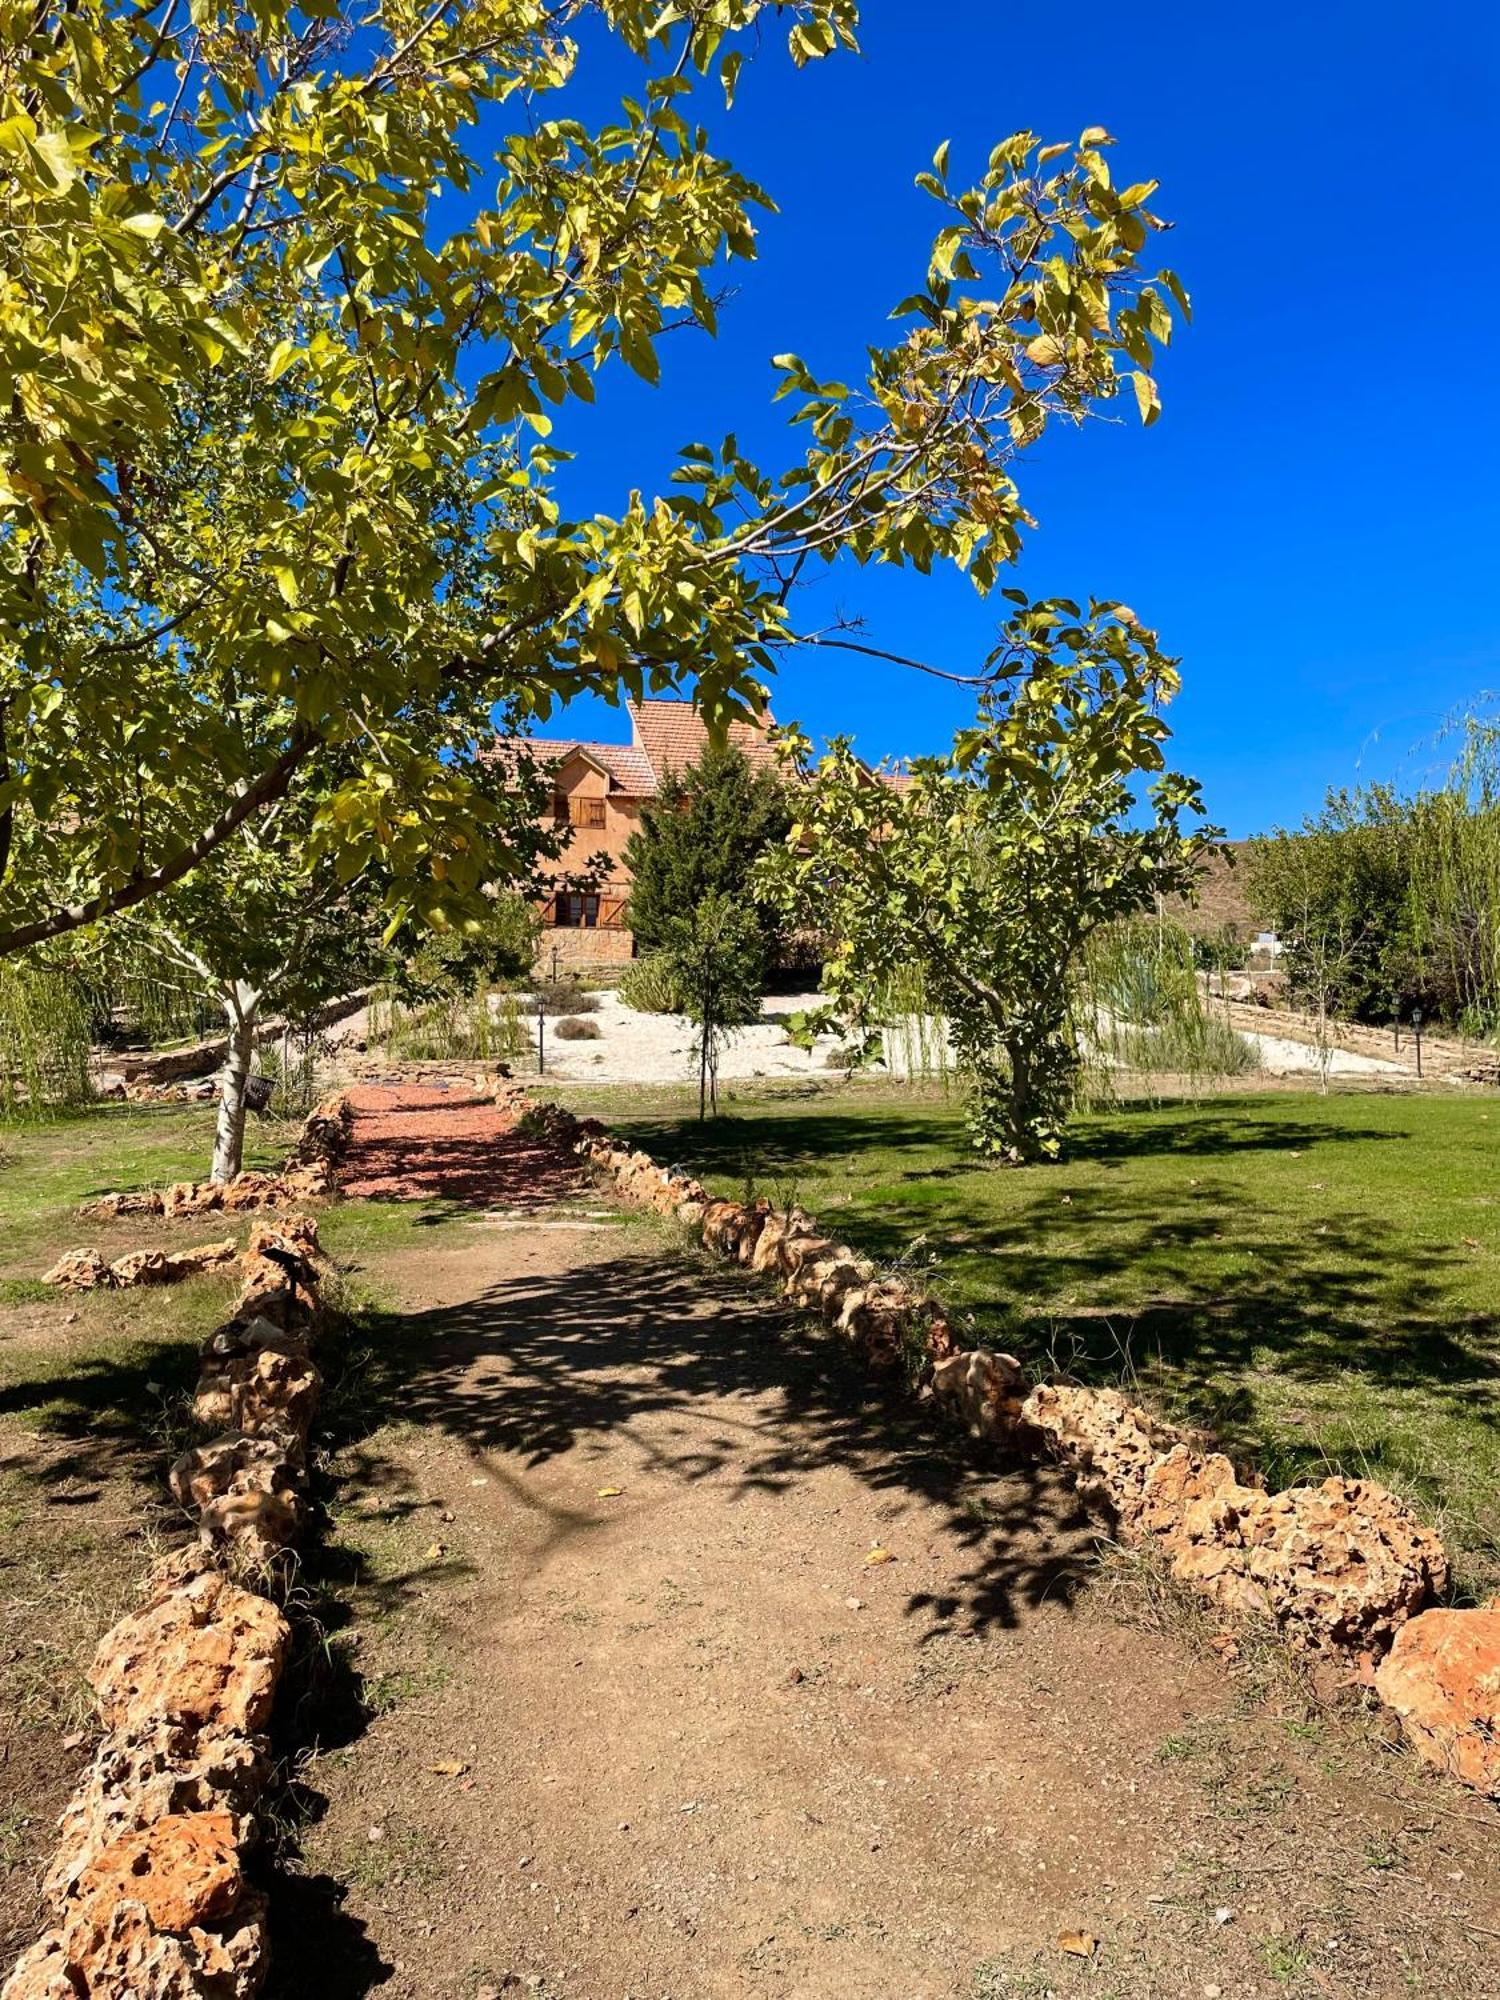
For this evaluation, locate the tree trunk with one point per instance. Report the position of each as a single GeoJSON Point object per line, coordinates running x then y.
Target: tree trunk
{"type": "Point", "coordinates": [241, 1006]}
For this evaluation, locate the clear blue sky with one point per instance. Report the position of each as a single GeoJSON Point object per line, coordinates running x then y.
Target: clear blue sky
{"type": "Point", "coordinates": [1312, 524]}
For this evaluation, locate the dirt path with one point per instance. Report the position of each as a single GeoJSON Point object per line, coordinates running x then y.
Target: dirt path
{"type": "Point", "coordinates": [650, 1726]}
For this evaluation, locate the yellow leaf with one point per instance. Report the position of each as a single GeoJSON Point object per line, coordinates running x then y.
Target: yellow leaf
{"type": "Point", "coordinates": [448, 1767]}
{"type": "Point", "coordinates": [610, 1492]}
{"type": "Point", "coordinates": [879, 1555]}
{"type": "Point", "coordinates": [1077, 1944]}
{"type": "Point", "coordinates": [435, 1553]}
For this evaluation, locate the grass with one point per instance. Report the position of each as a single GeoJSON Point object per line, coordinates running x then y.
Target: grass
{"type": "Point", "coordinates": [1313, 1278]}
{"type": "Point", "coordinates": [48, 1169]}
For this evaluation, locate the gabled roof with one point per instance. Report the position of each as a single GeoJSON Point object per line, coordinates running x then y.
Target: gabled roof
{"type": "Point", "coordinates": [624, 765]}
{"type": "Point", "coordinates": [668, 736]}
{"type": "Point", "coordinates": [674, 734]}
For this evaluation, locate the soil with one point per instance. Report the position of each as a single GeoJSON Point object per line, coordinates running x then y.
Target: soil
{"type": "Point", "coordinates": [438, 1142]}
{"type": "Point", "coordinates": [645, 1721]}
{"type": "Point", "coordinates": [80, 1521]}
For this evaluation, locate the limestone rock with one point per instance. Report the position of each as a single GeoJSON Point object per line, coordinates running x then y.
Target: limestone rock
{"type": "Point", "coordinates": [204, 1655]}
{"type": "Point", "coordinates": [116, 1953]}
{"type": "Point", "coordinates": [1442, 1677]}
{"type": "Point", "coordinates": [270, 1391]}
{"type": "Point", "coordinates": [875, 1317]}
{"type": "Point", "coordinates": [202, 1257]}
{"type": "Point", "coordinates": [984, 1392]}
{"type": "Point", "coordinates": [80, 1271]}
{"type": "Point", "coordinates": [775, 1229]}
{"type": "Point", "coordinates": [721, 1220]}
{"type": "Point", "coordinates": [184, 1870]}
{"type": "Point", "coordinates": [1110, 1445]}
{"type": "Point", "coordinates": [245, 1492]}
{"type": "Point", "coordinates": [161, 1772]}
{"type": "Point", "coordinates": [193, 1198]}
{"type": "Point", "coordinates": [1340, 1567]}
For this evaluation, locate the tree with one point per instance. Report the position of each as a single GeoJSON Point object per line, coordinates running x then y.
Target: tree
{"type": "Point", "coordinates": [700, 837]}
{"type": "Point", "coordinates": [989, 870]}
{"type": "Point", "coordinates": [196, 192]}
{"type": "Point", "coordinates": [1338, 891]}
{"type": "Point", "coordinates": [714, 954]}
{"type": "Point", "coordinates": [256, 934]}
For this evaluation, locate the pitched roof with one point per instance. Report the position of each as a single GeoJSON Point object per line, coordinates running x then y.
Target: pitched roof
{"type": "Point", "coordinates": [673, 733]}
{"type": "Point", "coordinates": [624, 763]}
{"type": "Point", "coordinates": [668, 735]}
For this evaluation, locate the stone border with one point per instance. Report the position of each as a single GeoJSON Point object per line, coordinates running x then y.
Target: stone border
{"type": "Point", "coordinates": [148, 1892]}
{"type": "Point", "coordinates": [1343, 1570]}
{"type": "Point", "coordinates": [88, 1271]}
{"type": "Point", "coordinates": [308, 1173]}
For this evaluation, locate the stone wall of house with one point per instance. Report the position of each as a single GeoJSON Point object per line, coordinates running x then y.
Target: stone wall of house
{"type": "Point", "coordinates": [583, 950]}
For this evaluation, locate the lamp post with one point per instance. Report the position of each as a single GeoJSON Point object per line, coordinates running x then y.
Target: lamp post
{"type": "Point", "coordinates": [1416, 1028]}
{"type": "Point", "coordinates": [541, 1035]}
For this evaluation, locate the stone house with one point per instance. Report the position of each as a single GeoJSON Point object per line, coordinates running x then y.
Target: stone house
{"type": "Point", "coordinates": [598, 790]}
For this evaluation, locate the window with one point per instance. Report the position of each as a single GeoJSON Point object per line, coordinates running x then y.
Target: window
{"type": "Point", "coordinates": [587, 813]}
{"type": "Point", "coordinates": [575, 912]}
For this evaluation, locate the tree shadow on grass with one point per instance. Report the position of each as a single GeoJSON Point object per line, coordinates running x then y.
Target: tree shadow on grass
{"type": "Point", "coordinates": [790, 1143]}
{"type": "Point", "coordinates": [649, 1351]}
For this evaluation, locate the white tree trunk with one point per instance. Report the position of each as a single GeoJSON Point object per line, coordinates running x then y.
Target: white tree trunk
{"type": "Point", "coordinates": [241, 1006]}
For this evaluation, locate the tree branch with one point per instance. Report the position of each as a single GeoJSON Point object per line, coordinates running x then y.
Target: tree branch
{"type": "Point", "coordinates": [246, 799]}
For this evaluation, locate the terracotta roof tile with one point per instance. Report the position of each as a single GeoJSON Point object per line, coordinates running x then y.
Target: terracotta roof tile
{"type": "Point", "coordinates": [628, 768]}
{"type": "Point", "coordinates": [673, 733]}
{"type": "Point", "coordinates": [668, 735]}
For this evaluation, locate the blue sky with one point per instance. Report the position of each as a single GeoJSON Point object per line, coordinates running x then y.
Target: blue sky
{"type": "Point", "coordinates": [1312, 523]}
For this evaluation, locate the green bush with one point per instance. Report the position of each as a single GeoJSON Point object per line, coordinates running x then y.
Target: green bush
{"type": "Point", "coordinates": [453, 1028]}
{"type": "Point", "coordinates": [44, 1041]}
{"type": "Point", "coordinates": [1203, 1046]}
{"type": "Point", "coordinates": [566, 997]}
{"type": "Point", "coordinates": [651, 988]}
{"type": "Point", "coordinates": [573, 1030]}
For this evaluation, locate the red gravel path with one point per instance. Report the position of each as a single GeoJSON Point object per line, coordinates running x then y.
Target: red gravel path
{"type": "Point", "coordinates": [422, 1142]}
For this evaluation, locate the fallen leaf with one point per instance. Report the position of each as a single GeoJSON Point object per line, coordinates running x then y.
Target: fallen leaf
{"type": "Point", "coordinates": [448, 1767]}
{"type": "Point", "coordinates": [435, 1553]}
{"type": "Point", "coordinates": [878, 1555]}
{"type": "Point", "coordinates": [610, 1492]}
{"type": "Point", "coordinates": [1472, 1243]}
{"type": "Point", "coordinates": [1077, 1944]}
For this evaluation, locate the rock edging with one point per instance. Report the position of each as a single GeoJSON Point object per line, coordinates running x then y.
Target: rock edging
{"type": "Point", "coordinates": [148, 1894]}
{"type": "Point", "coordinates": [309, 1173]}
{"type": "Point", "coordinates": [1343, 1570]}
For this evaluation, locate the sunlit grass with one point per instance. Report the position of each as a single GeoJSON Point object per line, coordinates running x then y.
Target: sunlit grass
{"type": "Point", "coordinates": [1314, 1278]}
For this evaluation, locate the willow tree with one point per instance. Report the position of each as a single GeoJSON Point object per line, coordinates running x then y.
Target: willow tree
{"type": "Point", "coordinates": [988, 871]}
{"type": "Point", "coordinates": [196, 189]}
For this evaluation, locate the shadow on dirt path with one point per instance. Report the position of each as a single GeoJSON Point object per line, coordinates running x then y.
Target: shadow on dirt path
{"type": "Point", "coordinates": [643, 1718]}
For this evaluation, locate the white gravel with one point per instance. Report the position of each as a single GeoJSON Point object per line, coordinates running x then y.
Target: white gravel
{"type": "Point", "coordinates": [1279, 1055]}
{"type": "Point", "coordinates": [660, 1048]}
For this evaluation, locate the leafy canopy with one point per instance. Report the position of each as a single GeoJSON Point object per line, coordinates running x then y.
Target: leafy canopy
{"type": "Point", "coordinates": [199, 194]}
{"type": "Point", "coordinates": [989, 870]}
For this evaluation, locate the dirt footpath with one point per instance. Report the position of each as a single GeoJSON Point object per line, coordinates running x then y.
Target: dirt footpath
{"type": "Point", "coordinates": [649, 1723]}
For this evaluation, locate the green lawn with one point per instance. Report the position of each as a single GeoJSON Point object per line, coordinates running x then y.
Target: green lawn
{"type": "Point", "coordinates": [1315, 1278]}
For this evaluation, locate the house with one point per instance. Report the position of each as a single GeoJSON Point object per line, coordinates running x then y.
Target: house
{"type": "Point", "coordinates": [598, 790]}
